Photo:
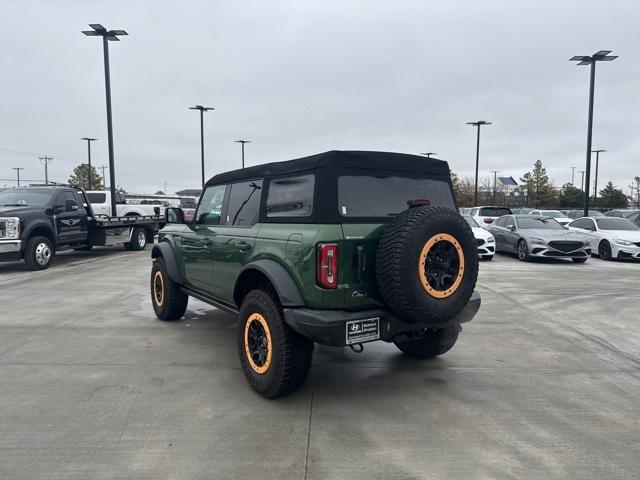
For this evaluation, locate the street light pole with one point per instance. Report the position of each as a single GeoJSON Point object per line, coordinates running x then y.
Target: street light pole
{"type": "Point", "coordinates": [89, 140]}
{"type": "Point", "coordinates": [202, 110]}
{"type": "Point", "coordinates": [17, 169]}
{"type": "Point", "coordinates": [573, 173]}
{"type": "Point", "coordinates": [495, 184]}
{"type": "Point", "coordinates": [243, 142]}
{"type": "Point", "coordinates": [600, 56]}
{"type": "Point", "coordinates": [108, 36]}
{"type": "Point", "coordinates": [104, 183]}
{"type": "Point", "coordinates": [582, 180]}
{"type": "Point", "coordinates": [478, 124]}
{"type": "Point", "coordinates": [595, 183]}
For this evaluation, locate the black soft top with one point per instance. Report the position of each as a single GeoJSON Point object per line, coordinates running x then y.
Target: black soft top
{"type": "Point", "coordinates": [340, 159]}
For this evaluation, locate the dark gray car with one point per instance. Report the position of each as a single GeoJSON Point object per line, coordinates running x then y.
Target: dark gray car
{"type": "Point", "coordinates": [528, 236]}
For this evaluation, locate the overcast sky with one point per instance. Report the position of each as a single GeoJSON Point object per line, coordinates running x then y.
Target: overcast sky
{"type": "Point", "coordinates": [302, 77]}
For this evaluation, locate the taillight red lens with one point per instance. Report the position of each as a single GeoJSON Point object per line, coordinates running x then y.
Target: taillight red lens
{"type": "Point", "coordinates": [488, 220]}
{"type": "Point", "coordinates": [327, 265]}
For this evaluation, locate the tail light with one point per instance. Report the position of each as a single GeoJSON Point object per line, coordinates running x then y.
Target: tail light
{"type": "Point", "coordinates": [327, 265]}
{"type": "Point", "coordinates": [488, 220]}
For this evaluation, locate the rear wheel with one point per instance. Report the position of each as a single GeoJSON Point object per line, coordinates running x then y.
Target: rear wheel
{"type": "Point", "coordinates": [38, 254]}
{"type": "Point", "coordinates": [523, 251]}
{"type": "Point", "coordinates": [138, 239]}
{"type": "Point", "coordinates": [275, 359]}
{"type": "Point", "coordinates": [169, 302]}
{"type": "Point", "coordinates": [432, 344]}
{"type": "Point", "coordinates": [604, 250]}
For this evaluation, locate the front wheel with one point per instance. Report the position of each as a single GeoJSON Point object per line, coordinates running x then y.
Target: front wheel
{"type": "Point", "coordinates": [38, 254]}
{"type": "Point", "coordinates": [275, 359]}
{"type": "Point", "coordinates": [169, 302]}
{"type": "Point", "coordinates": [604, 250]}
{"type": "Point", "coordinates": [138, 239]}
{"type": "Point", "coordinates": [432, 344]}
{"type": "Point", "coordinates": [523, 251]}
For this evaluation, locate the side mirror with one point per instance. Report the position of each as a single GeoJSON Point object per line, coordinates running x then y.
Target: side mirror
{"type": "Point", "coordinates": [70, 206]}
{"type": "Point", "coordinates": [174, 215]}
{"type": "Point", "coordinates": [511, 227]}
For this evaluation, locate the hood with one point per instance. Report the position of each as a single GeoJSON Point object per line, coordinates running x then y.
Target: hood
{"type": "Point", "coordinates": [548, 234]}
{"type": "Point", "coordinates": [18, 211]}
{"type": "Point", "coordinates": [631, 235]}
{"type": "Point", "coordinates": [479, 232]}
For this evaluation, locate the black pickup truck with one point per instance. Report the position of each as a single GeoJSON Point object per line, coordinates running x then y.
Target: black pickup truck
{"type": "Point", "coordinates": [38, 221]}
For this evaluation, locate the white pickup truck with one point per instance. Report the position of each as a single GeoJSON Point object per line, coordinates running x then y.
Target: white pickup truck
{"type": "Point", "coordinates": [101, 204]}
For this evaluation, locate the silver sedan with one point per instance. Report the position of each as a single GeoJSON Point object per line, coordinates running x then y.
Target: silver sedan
{"type": "Point", "coordinates": [528, 236]}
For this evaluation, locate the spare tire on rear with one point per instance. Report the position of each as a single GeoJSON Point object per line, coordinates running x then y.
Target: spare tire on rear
{"type": "Point", "coordinates": [427, 264]}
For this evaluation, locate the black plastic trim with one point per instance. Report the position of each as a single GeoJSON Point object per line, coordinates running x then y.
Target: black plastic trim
{"type": "Point", "coordinates": [165, 251]}
{"type": "Point", "coordinates": [285, 287]}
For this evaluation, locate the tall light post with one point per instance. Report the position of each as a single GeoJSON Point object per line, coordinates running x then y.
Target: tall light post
{"type": "Point", "coordinates": [243, 142]}
{"type": "Point", "coordinates": [573, 174]}
{"type": "Point", "coordinates": [478, 124]}
{"type": "Point", "coordinates": [202, 110]}
{"type": "Point", "coordinates": [108, 36]}
{"type": "Point", "coordinates": [89, 140]}
{"type": "Point", "coordinates": [104, 182]}
{"type": "Point", "coordinates": [595, 183]}
{"type": "Point", "coordinates": [17, 169]}
{"type": "Point", "coordinates": [428, 154]}
{"type": "Point", "coordinates": [601, 56]}
{"type": "Point", "coordinates": [582, 179]}
{"type": "Point", "coordinates": [45, 161]}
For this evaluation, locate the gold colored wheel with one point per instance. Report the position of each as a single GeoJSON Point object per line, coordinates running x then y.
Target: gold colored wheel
{"type": "Point", "coordinates": [158, 288]}
{"type": "Point", "coordinates": [441, 265]}
{"type": "Point", "coordinates": [257, 343]}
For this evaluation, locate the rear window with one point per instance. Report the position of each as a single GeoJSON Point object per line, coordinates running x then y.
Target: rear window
{"type": "Point", "coordinates": [493, 212]}
{"type": "Point", "coordinates": [368, 196]}
{"type": "Point", "coordinates": [291, 197]}
{"type": "Point", "coordinates": [97, 197]}
{"type": "Point", "coordinates": [615, 224]}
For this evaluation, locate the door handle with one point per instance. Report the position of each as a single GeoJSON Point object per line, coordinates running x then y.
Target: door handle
{"type": "Point", "coordinates": [243, 246]}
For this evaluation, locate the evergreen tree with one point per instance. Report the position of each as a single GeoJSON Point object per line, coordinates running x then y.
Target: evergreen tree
{"type": "Point", "coordinates": [571, 197]}
{"type": "Point", "coordinates": [612, 197]}
{"type": "Point", "coordinates": [537, 187]}
{"type": "Point", "coordinates": [80, 177]}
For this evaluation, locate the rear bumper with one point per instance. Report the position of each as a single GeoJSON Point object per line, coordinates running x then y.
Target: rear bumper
{"type": "Point", "coordinates": [329, 327]}
{"type": "Point", "coordinates": [10, 250]}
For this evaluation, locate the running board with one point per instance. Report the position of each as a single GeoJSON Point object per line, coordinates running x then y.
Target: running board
{"type": "Point", "coordinates": [210, 300]}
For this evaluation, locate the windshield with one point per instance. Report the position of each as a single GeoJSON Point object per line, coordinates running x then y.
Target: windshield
{"type": "Point", "coordinates": [472, 223]}
{"type": "Point", "coordinates": [382, 196]}
{"type": "Point", "coordinates": [615, 224]}
{"type": "Point", "coordinates": [493, 212]}
{"type": "Point", "coordinates": [538, 222]}
{"type": "Point", "coordinates": [23, 198]}
{"type": "Point", "coordinates": [552, 214]}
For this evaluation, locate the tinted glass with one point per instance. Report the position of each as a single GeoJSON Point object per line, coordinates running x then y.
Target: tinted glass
{"type": "Point", "coordinates": [538, 222]}
{"type": "Point", "coordinates": [472, 223]}
{"type": "Point", "coordinates": [582, 223]}
{"type": "Point", "coordinates": [244, 203]}
{"type": "Point", "coordinates": [97, 197]}
{"type": "Point", "coordinates": [291, 197]}
{"type": "Point", "coordinates": [553, 214]}
{"type": "Point", "coordinates": [210, 207]}
{"type": "Point", "coordinates": [615, 224]}
{"type": "Point", "coordinates": [493, 212]}
{"type": "Point", "coordinates": [363, 196]}
{"type": "Point", "coordinates": [501, 222]}
{"type": "Point", "coordinates": [21, 198]}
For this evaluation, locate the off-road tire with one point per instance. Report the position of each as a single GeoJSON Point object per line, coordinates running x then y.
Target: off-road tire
{"type": "Point", "coordinates": [138, 239]}
{"type": "Point", "coordinates": [171, 302]}
{"type": "Point", "coordinates": [432, 344]}
{"type": "Point", "coordinates": [403, 280]}
{"type": "Point", "coordinates": [522, 251]}
{"type": "Point", "coordinates": [291, 353]}
{"type": "Point", "coordinates": [579, 260]}
{"type": "Point", "coordinates": [604, 250]}
{"type": "Point", "coordinates": [39, 253]}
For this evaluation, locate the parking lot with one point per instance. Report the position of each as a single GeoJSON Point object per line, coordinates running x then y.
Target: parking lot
{"type": "Point", "coordinates": [543, 383]}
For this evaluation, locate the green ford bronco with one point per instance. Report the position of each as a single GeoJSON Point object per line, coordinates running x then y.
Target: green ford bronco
{"type": "Point", "coordinates": [340, 248]}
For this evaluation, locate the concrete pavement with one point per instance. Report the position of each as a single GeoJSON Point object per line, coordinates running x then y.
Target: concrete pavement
{"type": "Point", "coordinates": [544, 383]}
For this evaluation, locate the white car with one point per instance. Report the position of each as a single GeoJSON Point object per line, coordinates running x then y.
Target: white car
{"type": "Point", "coordinates": [560, 217]}
{"type": "Point", "coordinates": [611, 237]}
{"type": "Point", "coordinates": [485, 241]}
{"type": "Point", "coordinates": [486, 215]}
{"type": "Point", "coordinates": [101, 204]}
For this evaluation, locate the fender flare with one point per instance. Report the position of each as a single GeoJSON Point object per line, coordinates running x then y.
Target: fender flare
{"type": "Point", "coordinates": [37, 224]}
{"type": "Point", "coordinates": [165, 251]}
{"type": "Point", "coordinates": [280, 278]}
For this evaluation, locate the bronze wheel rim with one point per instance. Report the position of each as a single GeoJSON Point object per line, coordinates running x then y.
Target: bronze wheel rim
{"type": "Point", "coordinates": [257, 343]}
{"type": "Point", "coordinates": [441, 265]}
{"type": "Point", "coordinates": [158, 288]}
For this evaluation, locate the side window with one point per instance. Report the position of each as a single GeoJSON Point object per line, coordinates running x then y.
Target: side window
{"type": "Point", "coordinates": [509, 221]}
{"type": "Point", "coordinates": [244, 203]}
{"type": "Point", "coordinates": [473, 212]}
{"type": "Point", "coordinates": [579, 223]}
{"type": "Point", "coordinates": [501, 222]}
{"type": "Point", "coordinates": [590, 225]}
{"type": "Point", "coordinates": [210, 208]}
{"type": "Point", "coordinates": [291, 197]}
